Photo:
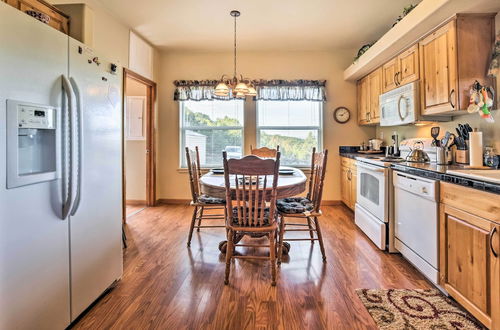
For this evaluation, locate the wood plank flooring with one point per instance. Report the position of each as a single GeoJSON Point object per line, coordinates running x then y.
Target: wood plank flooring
{"type": "Point", "coordinates": [167, 285]}
{"type": "Point", "coordinates": [132, 209]}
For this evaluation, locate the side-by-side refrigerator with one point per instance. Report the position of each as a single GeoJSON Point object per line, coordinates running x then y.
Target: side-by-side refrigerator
{"type": "Point", "coordinates": [60, 174]}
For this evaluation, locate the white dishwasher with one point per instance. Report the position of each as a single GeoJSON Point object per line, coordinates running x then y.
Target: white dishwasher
{"type": "Point", "coordinates": [416, 215]}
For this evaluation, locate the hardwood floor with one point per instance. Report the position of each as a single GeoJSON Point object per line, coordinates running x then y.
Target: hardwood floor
{"type": "Point", "coordinates": [132, 209]}
{"type": "Point", "coordinates": [167, 285]}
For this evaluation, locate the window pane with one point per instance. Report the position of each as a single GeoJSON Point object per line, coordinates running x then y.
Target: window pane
{"type": "Point", "coordinates": [295, 145]}
{"type": "Point", "coordinates": [211, 143]}
{"type": "Point", "coordinates": [291, 113]}
{"type": "Point", "coordinates": [212, 113]}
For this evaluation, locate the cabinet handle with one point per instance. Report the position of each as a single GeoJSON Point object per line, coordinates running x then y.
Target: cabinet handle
{"type": "Point", "coordinates": [396, 79]}
{"type": "Point", "coordinates": [398, 76]}
{"type": "Point", "coordinates": [491, 242]}
{"type": "Point", "coordinates": [449, 98]}
{"type": "Point", "coordinates": [349, 175]}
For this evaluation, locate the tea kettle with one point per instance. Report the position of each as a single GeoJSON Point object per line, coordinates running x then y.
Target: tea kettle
{"type": "Point", "coordinates": [417, 154]}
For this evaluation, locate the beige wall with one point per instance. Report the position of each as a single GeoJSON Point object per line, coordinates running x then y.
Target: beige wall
{"type": "Point", "coordinates": [173, 184]}
{"type": "Point", "coordinates": [135, 154]}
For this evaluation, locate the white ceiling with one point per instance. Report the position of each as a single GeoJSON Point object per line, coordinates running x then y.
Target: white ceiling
{"type": "Point", "coordinates": [205, 25]}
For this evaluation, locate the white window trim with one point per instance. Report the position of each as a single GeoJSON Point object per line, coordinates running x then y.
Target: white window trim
{"type": "Point", "coordinates": [291, 128]}
{"type": "Point", "coordinates": [182, 129]}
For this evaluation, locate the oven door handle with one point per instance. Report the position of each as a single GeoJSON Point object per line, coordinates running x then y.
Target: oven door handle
{"type": "Point", "coordinates": [371, 168]}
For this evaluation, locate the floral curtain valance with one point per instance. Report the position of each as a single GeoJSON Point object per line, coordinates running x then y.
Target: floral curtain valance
{"type": "Point", "coordinates": [269, 90]}
{"type": "Point", "coordinates": [291, 90]}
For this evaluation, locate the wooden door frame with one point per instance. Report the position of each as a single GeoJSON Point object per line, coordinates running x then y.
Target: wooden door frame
{"type": "Point", "coordinates": [150, 138]}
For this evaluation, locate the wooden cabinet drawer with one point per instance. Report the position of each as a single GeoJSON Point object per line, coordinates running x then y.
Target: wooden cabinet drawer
{"type": "Point", "coordinates": [483, 204]}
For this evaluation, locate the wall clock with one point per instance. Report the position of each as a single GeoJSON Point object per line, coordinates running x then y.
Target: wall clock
{"type": "Point", "coordinates": [341, 115]}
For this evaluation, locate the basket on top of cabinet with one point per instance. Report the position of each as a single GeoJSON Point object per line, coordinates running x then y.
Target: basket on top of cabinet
{"type": "Point", "coordinates": [44, 12]}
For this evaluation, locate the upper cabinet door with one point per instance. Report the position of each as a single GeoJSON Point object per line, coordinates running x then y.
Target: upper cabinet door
{"type": "Point", "coordinates": [408, 66]}
{"type": "Point", "coordinates": [363, 101]}
{"type": "Point", "coordinates": [389, 72]}
{"type": "Point", "coordinates": [375, 81]}
{"type": "Point", "coordinates": [438, 67]}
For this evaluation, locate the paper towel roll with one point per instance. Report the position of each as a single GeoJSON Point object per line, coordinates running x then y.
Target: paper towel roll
{"type": "Point", "coordinates": [476, 149]}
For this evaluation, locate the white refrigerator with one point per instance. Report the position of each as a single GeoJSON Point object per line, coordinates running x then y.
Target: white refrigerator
{"type": "Point", "coordinates": [60, 174]}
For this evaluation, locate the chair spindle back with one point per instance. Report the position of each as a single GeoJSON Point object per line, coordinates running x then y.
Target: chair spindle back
{"type": "Point", "coordinates": [251, 189]}
{"type": "Point", "coordinates": [193, 163]}
{"type": "Point", "coordinates": [317, 178]}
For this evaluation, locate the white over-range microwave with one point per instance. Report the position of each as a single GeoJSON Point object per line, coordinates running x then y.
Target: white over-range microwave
{"type": "Point", "coordinates": [401, 106]}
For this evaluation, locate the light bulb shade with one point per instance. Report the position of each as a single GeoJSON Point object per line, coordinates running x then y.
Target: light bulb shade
{"type": "Point", "coordinates": [251, 91]}
{"type": "Point", "coordinates": [240, 95]}
{"type": "Point", "coordinates": [221, 89]}
{"type": "Point", "coordinates": [241, 87]}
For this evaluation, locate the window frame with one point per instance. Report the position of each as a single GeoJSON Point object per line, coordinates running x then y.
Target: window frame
{"type": "Point", "coordinates": [319, 128]}
{"type": "Point", "coordinates": [183, 129]}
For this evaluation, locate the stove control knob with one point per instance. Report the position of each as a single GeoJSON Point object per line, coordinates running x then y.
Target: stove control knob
{"type": "Point", "coordinates": [424, 190]}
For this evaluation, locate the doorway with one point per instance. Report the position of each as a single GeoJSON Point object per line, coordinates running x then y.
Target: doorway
{"type": "Point", "coordinates": [139, 166]}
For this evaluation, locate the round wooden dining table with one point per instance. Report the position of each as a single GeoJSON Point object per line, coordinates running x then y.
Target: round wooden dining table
{"type": "Point", "coordinates": [288, 184]}
{"type": "Point", "coordinates": [291, 184]}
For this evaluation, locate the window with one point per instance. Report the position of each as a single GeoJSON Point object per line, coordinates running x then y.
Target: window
{"type": "Point", "coordinates": [213, 126]}
{"type": "Point", "coordinates": [293, 125]}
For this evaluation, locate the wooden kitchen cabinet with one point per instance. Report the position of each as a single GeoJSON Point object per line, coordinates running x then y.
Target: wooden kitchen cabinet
{"type": "Point", "coordinates": [375, 80]}
{"type": "Point", "coordinates": [363, 101]}
{"type": "Point", "coordinates": [58, 20]}
{"type": "Point", "coordinates": [401, 70]}
{"type": "Point", "coordinates": [451, 59]}
{"type": "Point", "coordinates": [369, 90]}
{"type": "Point", "coordinates": [469, 247]}
{"type": "Point", "coordinates": [348, 181]}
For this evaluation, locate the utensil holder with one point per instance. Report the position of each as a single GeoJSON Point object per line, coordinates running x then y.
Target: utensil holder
{"type": "Point", "coordinates": [462, 156]}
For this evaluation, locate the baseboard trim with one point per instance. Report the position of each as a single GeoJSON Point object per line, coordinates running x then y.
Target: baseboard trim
{"type": "Point", "coordinates": [331, 202]}
{"type": "Point", "coordinates": [135, 202]}
{"type": "Point", "coordinates": [173, 201]}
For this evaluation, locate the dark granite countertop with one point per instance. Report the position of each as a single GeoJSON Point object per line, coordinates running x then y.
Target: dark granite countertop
{"type": "Point", "coordinates": [439, 172]}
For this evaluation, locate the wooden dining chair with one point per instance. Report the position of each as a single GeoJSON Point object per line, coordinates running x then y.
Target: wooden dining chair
{"type": "Point", "coordinates": [251, 184]}
{"type": "Point", "coordinates": [264, 152]}
{"type": "Point", "coordinates": [308, 208]}
{"type": "Point", "coordinates": [201, 202]}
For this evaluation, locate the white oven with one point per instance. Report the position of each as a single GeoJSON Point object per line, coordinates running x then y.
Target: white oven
{"type": "Point", "coordinates": [372, 204]}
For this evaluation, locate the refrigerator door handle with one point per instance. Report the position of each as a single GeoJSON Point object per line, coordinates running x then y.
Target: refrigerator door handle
{"type": "Point", "coordinates": [68, 162]}
{"type": "Point", "coordinates": [79, 172]}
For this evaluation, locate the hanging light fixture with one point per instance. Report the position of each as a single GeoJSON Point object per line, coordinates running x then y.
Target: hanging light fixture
{"type": "Point", "coordinates": [240, 87]}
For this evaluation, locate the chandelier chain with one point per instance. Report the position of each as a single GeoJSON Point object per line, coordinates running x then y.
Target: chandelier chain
{"type": "Point", "coordinates": [235, 46]}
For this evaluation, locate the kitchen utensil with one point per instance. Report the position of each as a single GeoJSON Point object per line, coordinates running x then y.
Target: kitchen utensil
{"type": "Point", "coordinates": [445, 139]}
{"type": "Point", "coordinates": [435, 133]}
{"type": "Point", "coordinates": [418, 155]}
{"type": "Point", "coordinates": [442, 156]}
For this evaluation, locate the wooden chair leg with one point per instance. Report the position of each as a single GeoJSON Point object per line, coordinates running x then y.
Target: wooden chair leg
{"type": "Point", "coordinates": [311, 234]}
{"type": "Point", "coordinates": [272, 256]}
{"type": "Point", "coordinates": [199, 220]}
{"type": "Point", "coordinates": [280, 240]}
{"type": "Point", "coordinates": [320, 238]}
{"type": "Point", "coordinates": [229, 254]}
{"type": "Point", "coordinates": [193, 220]}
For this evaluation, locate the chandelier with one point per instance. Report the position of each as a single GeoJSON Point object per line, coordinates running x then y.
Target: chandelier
{"type": "Point", "coordinates": [239, 87]}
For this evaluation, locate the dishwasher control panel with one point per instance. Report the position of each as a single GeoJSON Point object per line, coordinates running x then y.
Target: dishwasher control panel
{"type": "Point", "coordinates": [416, 185]}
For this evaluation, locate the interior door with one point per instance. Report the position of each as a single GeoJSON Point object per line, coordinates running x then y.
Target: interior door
{"type": "Point", "coordinates": [96, 247]}
{"type": "Point", "coordinates": [34, 263]}
{"type": "Point", "coordinates": [438, 69]}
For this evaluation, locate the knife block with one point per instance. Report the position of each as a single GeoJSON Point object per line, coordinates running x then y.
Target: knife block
{"type": "Point", "coordinates": [462, 156]}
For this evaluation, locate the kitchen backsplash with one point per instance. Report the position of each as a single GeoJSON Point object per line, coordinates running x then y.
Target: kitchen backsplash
{"type": "Point", "coordinates": [491, 131]}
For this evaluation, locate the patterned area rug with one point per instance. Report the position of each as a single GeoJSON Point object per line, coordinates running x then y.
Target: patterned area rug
{"type": "Point", "coordinates": [415, 309]}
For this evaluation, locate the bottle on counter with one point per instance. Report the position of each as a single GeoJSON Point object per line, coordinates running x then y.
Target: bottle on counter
{"type": "Point", "coordinates": [490, 157]}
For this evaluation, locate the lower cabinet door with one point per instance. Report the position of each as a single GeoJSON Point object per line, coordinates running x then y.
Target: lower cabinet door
{"type": "Point", "coordinates": [467, 260]}
{"type": "Point", "coordinates": [345, 188]}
